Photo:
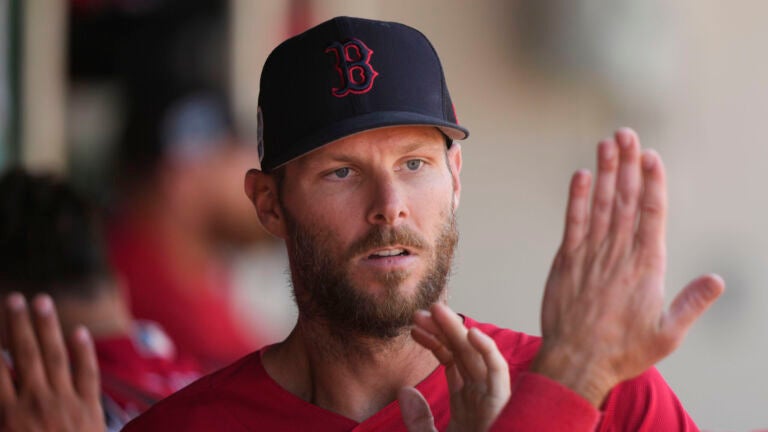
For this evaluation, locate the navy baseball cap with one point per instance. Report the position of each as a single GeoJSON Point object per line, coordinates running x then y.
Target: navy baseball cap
{"type": "Point", "coordinates": [345, 76]}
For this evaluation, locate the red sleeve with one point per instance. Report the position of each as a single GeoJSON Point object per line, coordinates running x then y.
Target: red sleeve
{"type": "Point", "coordinates": [643, 404]}
{"type": "Point", "coordinates": [539, 403]}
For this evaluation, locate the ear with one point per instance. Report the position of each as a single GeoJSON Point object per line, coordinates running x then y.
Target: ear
{"type": "Point", "coordinates": [262, 191]}
{"type": "Point", "coordinates": [454, 163]}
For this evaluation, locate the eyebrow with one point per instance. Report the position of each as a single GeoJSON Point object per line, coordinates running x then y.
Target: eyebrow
{"type": "Point", "coordinates": [415, 145]}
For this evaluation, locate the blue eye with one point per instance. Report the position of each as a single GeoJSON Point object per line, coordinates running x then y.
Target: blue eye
{"type": "Point", "coordinates": [342, 172]}
{"type": "Point", "coordinates": [414, 164]}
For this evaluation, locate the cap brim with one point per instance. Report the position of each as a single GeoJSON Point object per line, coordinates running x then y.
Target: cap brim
{"type": "Point", "coordinates": [366, 122]}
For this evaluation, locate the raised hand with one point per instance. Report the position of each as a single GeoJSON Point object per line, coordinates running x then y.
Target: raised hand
{"type": "Point", "coordinates": [603, 316]}
{"type": "Point", "coordinates": [477, 374]}
{"type": "Point", "coordinates": [47, 395]}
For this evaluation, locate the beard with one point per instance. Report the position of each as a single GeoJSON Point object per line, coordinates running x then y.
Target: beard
{"type": "Point", "coordinates": [323, 287]}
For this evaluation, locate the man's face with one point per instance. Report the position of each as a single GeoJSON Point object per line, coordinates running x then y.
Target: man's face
{"type": "Point", "coordinates": [371, 229]}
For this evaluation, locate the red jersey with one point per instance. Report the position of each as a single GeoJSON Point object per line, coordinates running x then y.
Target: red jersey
{"type": "Point", "coordinates": [138, 370]}
{"type": "Point", "coordinates": [197, 315]}
{"type": "Point", "coordinates": [243, 397]}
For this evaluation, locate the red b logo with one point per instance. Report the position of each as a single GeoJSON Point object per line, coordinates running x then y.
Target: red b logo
{"type": "Point", "coordinates": [353, 65]}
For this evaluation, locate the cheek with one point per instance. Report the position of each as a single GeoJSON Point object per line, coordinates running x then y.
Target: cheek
{"type": "Point", "coordinates": [328, 214]}
{"type": "Point", "coordinates": [431, 201]}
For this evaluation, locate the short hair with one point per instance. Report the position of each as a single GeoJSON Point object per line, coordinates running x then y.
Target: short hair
{"type": "Point", "coordinates": [50, 238]}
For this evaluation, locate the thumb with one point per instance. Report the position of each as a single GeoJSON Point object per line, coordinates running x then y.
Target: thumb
{"type": "Point", "coordinates": [415, 411]}
{"type": "Point", "coordinates": [690, 303]}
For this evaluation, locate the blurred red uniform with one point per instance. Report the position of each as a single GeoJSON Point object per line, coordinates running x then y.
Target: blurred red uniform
{"type": "Point", "coordinates": [139, 369]}
{"type": "Point", "coordinates": [194, 311]}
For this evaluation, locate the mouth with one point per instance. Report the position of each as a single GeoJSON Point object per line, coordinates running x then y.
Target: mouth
{"type": "Point", "coordinates": [389, 253]}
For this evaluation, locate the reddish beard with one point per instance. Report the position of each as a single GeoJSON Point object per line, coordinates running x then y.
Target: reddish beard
{"type": "Point", "coordinates": [325, 292]}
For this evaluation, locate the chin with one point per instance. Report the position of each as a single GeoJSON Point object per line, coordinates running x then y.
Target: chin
{"type": "Point", "coordinates": [403, 283]}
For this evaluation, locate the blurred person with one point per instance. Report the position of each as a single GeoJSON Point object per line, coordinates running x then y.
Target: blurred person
{"type": "Point", "coordinates": [360, 178]}
{"type": "Point", "coordinates": [179, 216]}
{"type": "Point", "coordinates": [178, 226]}
{"type": "Point", "coordinates": [51, 242]}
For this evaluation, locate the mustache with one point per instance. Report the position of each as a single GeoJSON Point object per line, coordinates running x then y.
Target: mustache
{"type": "Point", "coordinates": [380, 237]}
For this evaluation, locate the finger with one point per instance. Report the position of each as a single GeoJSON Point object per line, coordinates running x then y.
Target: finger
{"type": "Point", "coordinates": [453, 378]}
{"type": "Point", "coordinates": [428, 334]}
{"type": "Point", "coordinates": [415, 410]}
{"type": "Point", "coordinates": [53, 350]}
{"type": "Point", "coordinates": [84, 364]}
{"type": "Point", "coordinates": [466, 358]}
{"type": "Point", "coordinates": [430, 342]}
{"type": "Point", "coordinates": [497, 379]}
{"type": "Point", "coordinates": [23, 345]}
{"type": "Point", "coordinates": [7, 392]}
{"type": "Point", "coordinates": [605, 189]}
{"type": "Point", "coordinates": [653, 207]}
{"type": "Point", "coordinates": [423, 319]}
{"type": "Point", "coordinates": [577, 211]}
{"type": "Point", "coordinates": [688, 305]}
{"type": "Point", "coordinates": [628, 185]}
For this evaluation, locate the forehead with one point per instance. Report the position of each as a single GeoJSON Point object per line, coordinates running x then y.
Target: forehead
{"type": "Point", "coordinates": [390, 140]}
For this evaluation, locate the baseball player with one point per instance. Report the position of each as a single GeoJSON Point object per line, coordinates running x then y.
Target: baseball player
{"type": "Point", "coordinates": [360, 177]}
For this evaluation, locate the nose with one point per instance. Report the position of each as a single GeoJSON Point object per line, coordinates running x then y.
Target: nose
{"type": "Point", "coordinates": [388, 204]}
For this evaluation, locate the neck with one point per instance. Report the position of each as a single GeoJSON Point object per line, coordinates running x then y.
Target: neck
{"type": "Point", "coordinates": [352, 375]}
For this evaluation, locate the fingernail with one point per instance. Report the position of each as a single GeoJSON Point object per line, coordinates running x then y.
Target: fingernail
{"type": "Point", "coordinates": [624, 137]}
{"type": "Point", "coordinates": [82, 334]}
{"type": "Point", "coordinates": [582, 177]}
{"type": "Point", "coordinates": [607, 150]}
{"type": "Point", "coordinates": [718, 277]}
{"type": "Point", "coordinates": [478, 332]}
{"type": "Point", "coordinates": [648, 161]}
{"type": "Point", "coordinates": [16, 302]}
{"type": "Point", "coordinates": [43, 304]}
{"type": "Point", "coordinates": [424, 313]}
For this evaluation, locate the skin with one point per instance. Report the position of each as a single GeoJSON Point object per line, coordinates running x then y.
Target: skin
{"type": "Point", "coordinates": [477, 373]}
{"type": "Point", "coordinates": [380, 187]}
{"type": "Point", "coordinates": [47, 392]}
{"type": "Point", "coordinates": [603, 315]}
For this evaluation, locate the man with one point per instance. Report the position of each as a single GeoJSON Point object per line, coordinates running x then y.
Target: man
{"type": "Point", "coordinates": [360, 178]}
{"type": "Point", "coordinates": [51, 250]}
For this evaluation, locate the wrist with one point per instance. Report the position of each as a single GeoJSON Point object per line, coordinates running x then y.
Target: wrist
{"type": "Point", "coordinates": [579, 373]}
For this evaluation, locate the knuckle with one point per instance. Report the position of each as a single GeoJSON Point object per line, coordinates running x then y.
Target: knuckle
{"type": "Point", "coordinates": [26, 353]}
{"type": "Point", "coordinates": [563, 260]}
{"type": "Point", "coordinates": [576, 219]}
{"type": "Point", "coordinates": [650, 254]}
{"type": "Point", "coordinates": [654, 261]}
{"type": "Point", "coordinates": [56, 359]}
{"type": "Point", "coordinates": [626, 202]}
{"type": "Point", "coordinates": [39, 403]}
{"type": "Point", "coordinates": [653, 208]}
{"type": "Point", "coordinates": [602, 204]}
{"type": "Point", "coordinates": [576, 213]}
